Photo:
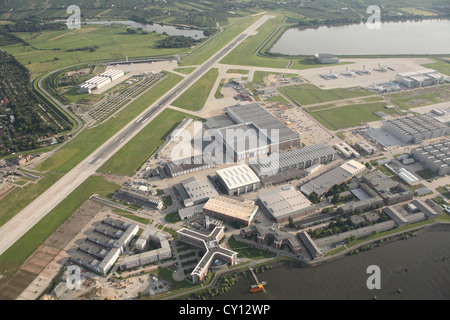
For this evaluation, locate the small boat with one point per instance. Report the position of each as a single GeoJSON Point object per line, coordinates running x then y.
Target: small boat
{"type": "Point", "coordinates": [257, 287]}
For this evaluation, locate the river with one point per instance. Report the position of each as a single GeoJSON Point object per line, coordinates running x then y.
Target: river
{"type": "Point", "coordinates": [408, 37]}
{"type": "Point", "coordinates": [419, 267]}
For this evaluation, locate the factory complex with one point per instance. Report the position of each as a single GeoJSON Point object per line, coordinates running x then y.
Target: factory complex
{"type": "Point", "coordinates": [100, 81]}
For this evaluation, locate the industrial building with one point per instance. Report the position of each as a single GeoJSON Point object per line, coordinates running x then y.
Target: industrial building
{"type": "Point", "coordinates": [310, 245]}
{"type": "Point", "coordinates": [368, 200]}
{"type": "Point", "coordinates": [277, 131]}
{"type": "Point", "coordinates": [390, 191]}
{"type": "Point", "coordinates": [139, 198]}
{"type": "Point", "coordinates": [104, 245]}
{"type": "Point", "coordinates": [144, 258]}
{"type": "Point", "coordinates": [189, 212]}
{"type": "Point", "coordinates": [421, 78]}
{"type": "Point", "coordinates": [231, 209]}
{"type": "Point", "coordinates": [346, 150]}
{"type": "Point", "coordinates": [415, 129]}
{"type": "Point", "coordinates": [326, 58]}
{"type": "Point", "coordinates": [196, 190]}
{"type": "Point", "coordinates": [209, 243]}
{"type": "Point", "coordinates": [407, 176]}
{"type": "Point", "coordinates": [243, 141]}
{"type": "Point", "coordinates": [238, 179]}
{"type": "Point", "coordinates": [435, 157]}
{"type": "Point", "coordinates": [285, 202]}
{"type": "Point", "coordinates": [301, 158]}
{"type": "Point", "coordinates": [100, 81]}
{"type": "Point", "coordinates": [188, 165]}
{"type": "Point", "coordinates": [367, 148]}
{"type": "Point", "coordinates": [265, 233]}
{"type": "Point", "coordinates": [338, 175]}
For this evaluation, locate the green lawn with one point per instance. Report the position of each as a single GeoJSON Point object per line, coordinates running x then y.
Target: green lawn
{"type": "Point", "coordinates": [12, 258]}
{"type": "Point", "coordinates": [306, 94]}
{"type": "Point", "coordinates": [279, 99]}
{"type": "Point", "coordinates": [441, 65]}
{"type": "Point", "coordinates": [349, 116]}
{"type": "Point", "coordinates": [195, 97]}
{"type": "Point", "coordinates": [245, 53]}
{"type": "Point", "coordinates": [185, 70]}
{"type": "Point", "coordinates": [128, 159]}
{"type": "Point", "coordinates": [421, 97]}
{"type": "Point", "coordinates": [90, 139]}
{"type": "Point", "coordinates": [206, 50]}
{"type": "Point", "coordinates": [19, 198]}
{"type": "Point", "coordinates": [113, 42]}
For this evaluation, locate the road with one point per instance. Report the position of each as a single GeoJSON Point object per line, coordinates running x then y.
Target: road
{"type": "Point", "coordinates": [21, 223]}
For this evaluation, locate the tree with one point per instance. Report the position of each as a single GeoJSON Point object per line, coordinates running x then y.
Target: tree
{"type": "Point", "coordinates": [291, 222]}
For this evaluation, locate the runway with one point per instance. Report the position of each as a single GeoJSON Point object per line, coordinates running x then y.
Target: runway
{"type": "Point", "coordinates": [21, 223]}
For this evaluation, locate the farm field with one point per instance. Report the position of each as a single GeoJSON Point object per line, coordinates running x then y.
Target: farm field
{"type": "Point", "coordinates": [306, 94]}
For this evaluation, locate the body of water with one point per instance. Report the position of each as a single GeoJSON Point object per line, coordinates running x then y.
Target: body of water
{"type": "Point", "coordinates": [408, 37]}
{"type": "Point", "coordinates": [419, 267]}
{"type": "Point", "coordinates": [170, 30]}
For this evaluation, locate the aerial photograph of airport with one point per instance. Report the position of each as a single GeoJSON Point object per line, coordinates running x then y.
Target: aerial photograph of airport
{"type": "Point", "coordinates": [208, 151]}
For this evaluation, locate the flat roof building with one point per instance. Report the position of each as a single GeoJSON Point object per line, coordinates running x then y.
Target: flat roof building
{"type": "Point", "coordinates": [326, 58]}
{"type": "Point", "coordinates": [189, 165]}
{"type": "Point", "coordinates": [420, 78]}
{"type": "Point", "coordinates": [285, 202]}
{"type": "Point", "coordinates": [104, 245]}
{"type": "Point", "coordinates": [210, 243]}
{"type": "Point", "coordinates": [231, 209]}
{"type": "Point", "coordinates": [390, 191]}
{"type": "Point", "coordinates": [238, 179]}
{"type": "Point", "coordinates": [415, 129]}
{"type": "Point", "coordinates": [310, 245]}
{"type": "Point", "coordinates": [262, 119]}
{"type": "Point", "coordinates": [301, 158]}
{"type": "Point", "coordinates": [338, 175]}
{"type": "Point", "coordinates": [196, 190]}
{"type": "Point", "coordinates": [435, 156]}
{"type": "Point", "coordinates": [243, 141]}
{"type": "Point", "coordinates": [279, 237]}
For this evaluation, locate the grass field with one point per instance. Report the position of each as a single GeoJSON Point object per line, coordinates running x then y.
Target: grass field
{"type": "Point", "coordinates": [306, 94]}
{"type": "Point", "coordinates": [421, 97]}
{"type": "Point", "coordinates": [185, 70]}
{"type": "Point", "coordinates": [350, 115]}
{"type": "Point", "coordinates": [128, 159]}
{"type": "Point", "coordinates": [19, 198]}
{"type": "Point", "coordinates": [113, 42]}
{"type": "Point", "coordinates": [195, 97]}
{"type": "Point", "coordinates": [441, 66]}
{"type": "Point", "coordinates": [12, 258]}
{"type": "Point", "coordinates": [86, 142]}
{"type": "Point", "coordinates": [245, 53]}
{"type": "Point", "coordinates": [202, 53]}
